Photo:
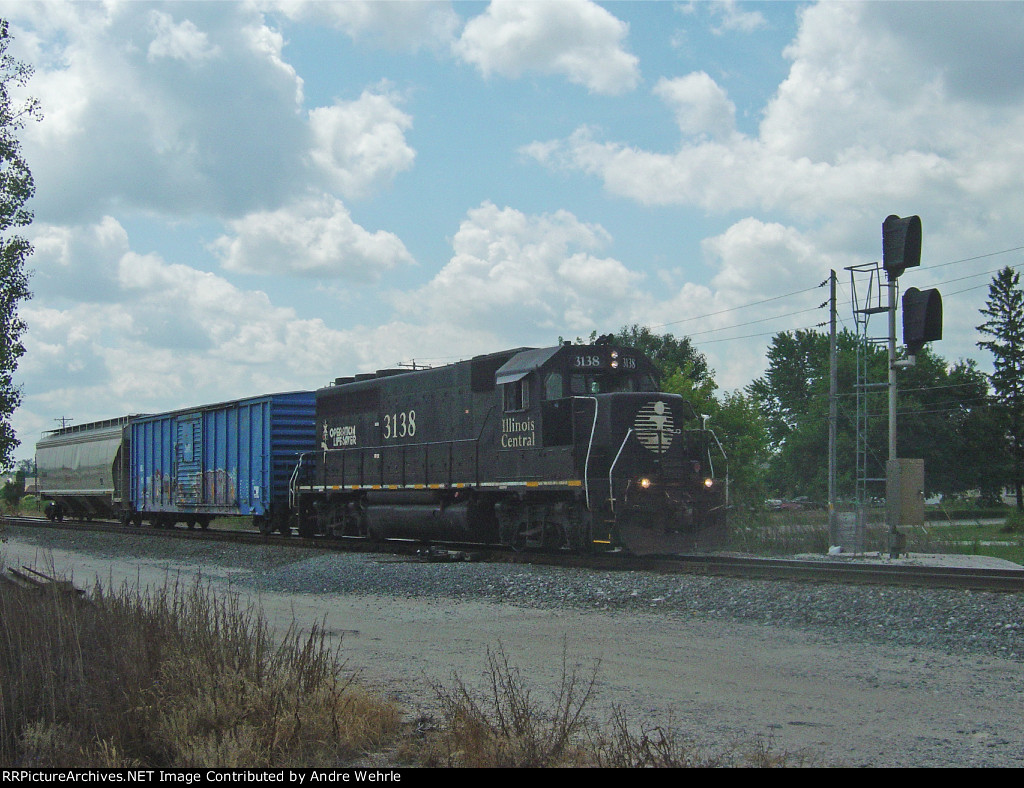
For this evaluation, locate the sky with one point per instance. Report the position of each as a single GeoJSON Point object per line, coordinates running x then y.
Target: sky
{"type": "Point", "coordinates": [238, 198]}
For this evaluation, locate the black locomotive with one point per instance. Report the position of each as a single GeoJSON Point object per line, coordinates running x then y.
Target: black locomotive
{"type": "Point", "coordinates": [562, 448]}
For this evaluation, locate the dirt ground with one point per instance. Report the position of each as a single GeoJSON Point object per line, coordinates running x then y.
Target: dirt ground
{"type": "Point", "coordinates": [725, 684]}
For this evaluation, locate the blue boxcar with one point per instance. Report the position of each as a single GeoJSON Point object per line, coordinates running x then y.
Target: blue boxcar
{"type": "Point", "coordinates": [233, 458]}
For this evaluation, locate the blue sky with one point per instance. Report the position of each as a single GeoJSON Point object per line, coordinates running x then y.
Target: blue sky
{"type": "Point", "coordinates": [239, 198]}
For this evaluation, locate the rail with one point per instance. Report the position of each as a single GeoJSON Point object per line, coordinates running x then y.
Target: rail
{"type": "Point", "coordinates": [824, 570]}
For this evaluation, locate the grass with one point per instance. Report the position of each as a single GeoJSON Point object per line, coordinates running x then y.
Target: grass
{"type": "Point", "coordinates": [177, 677]}
{"type": "Point", "coordinates": [506, 725]}
{"type": "Point", "coordinates": [963, 532]}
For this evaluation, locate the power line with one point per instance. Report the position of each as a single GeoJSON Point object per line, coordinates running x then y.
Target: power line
{"type": "Point", "coordinates": [842, 304]}
{"type": "Point", "coordinates": [978, 257]}
{"type": "Point", "coordinates": [760, 320]}
{"type": "Point", "coordinates": [769, 334]}
{"type": "Point", "coordinates": [734, 308]}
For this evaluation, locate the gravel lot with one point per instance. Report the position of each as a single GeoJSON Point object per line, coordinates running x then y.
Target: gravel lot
{"type": "Point", "coordinates": [858, 676]}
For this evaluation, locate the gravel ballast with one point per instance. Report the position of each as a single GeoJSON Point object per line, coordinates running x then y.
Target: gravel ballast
{"type": "Point", "coordinates": [854, 675]}
{"type": "Point", "coordinates": [949, 620]}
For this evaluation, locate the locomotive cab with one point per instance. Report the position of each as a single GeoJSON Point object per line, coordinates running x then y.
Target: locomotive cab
{"type": "Point", "coordinates": [642, 466]}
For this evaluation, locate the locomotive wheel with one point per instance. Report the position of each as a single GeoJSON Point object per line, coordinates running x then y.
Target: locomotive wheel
{"type": "Point", "coordinates": [553, 537]}
{"type": "Point", "coordinates": [519, 541]}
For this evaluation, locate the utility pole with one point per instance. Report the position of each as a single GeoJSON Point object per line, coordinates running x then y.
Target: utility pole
{"type": "Point", "coordinates": [833, 415]}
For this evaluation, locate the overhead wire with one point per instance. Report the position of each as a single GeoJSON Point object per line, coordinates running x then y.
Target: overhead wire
{"type": "Point", "coordinates": [847, 302]}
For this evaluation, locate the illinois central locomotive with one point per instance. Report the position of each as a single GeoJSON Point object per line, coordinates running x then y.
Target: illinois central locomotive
{"type": "Point", "coordinates": [562, 448]}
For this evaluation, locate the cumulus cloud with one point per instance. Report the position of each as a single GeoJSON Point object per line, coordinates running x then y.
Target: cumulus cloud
{"type": "Point", "coordinates": [736, 20]}
{"type": "Point", "coordinates": [73, 262]}
{"type": "Point", "coordinates": [574, 38]}
{"type": "Point", "coordinates": [753, 257]}
{"type": "Point", "coordinates": [530, 275]}
{"type": "Point", "coordinates": [359, 144]}
{"type": "Point", "coordinates": [191, 110]}
{"type": "Point", "coordinates": [179, 41]}
{"type": "Point", "coordinates": [315, 236]}
{"type": "Point", "coordinates": [701, 106]}
{"type": "Point", "coordinates": [165, 331]}
{"type": "Point", "coordinates": [861, 120]}
{"type": "Point", "coordinates": [175, 111]}
{"type": "Point", "coordinates": [405, 26]}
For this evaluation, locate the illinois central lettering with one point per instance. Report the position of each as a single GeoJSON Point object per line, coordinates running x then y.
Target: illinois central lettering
{"type": "Point", "coordinates": [516, 434]}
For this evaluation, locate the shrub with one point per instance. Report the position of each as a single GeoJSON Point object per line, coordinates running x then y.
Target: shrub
{"type": "Point", "coordinates": [176, 677]}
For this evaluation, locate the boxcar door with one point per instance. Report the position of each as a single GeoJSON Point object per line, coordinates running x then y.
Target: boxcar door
{"type": "Point", "coordinates": [189, 472]}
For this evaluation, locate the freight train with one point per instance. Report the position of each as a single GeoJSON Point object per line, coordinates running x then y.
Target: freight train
{"type": "Point", "coordinates": [568, 448]}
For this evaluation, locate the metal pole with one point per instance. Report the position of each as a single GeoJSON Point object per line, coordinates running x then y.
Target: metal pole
{"type": "Point", "coordinates": [892, 467]}
{"type": "Point", "coordinates": [892, 369]}
{"type": "Point", "coordinates": [833, 392]}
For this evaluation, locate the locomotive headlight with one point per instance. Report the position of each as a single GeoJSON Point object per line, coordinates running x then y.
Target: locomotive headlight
{"type": "Point", "coordinates": [615, 365]}
{"type": "Point", "coordinates": [645, 483]}
{"type": "Point", "coordinates": [615, 354]}
{"type": "Point", "coordinates": [709, 483]}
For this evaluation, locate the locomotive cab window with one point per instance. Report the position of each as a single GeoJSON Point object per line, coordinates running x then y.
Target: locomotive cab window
{"type": "Point", "coordinates": [517, 395]}
{"type": "Point", "coordinates": [609, 383]}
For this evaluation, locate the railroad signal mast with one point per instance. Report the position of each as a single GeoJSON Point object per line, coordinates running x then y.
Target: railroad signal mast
{"type": "Point", "coordinates": [922, 323]}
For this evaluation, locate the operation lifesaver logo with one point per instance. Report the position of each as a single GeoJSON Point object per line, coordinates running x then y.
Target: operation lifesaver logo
{"type": "Point", "coordinates": [655, 427]}
{"type": "Point", "coordinates": [337, 437]}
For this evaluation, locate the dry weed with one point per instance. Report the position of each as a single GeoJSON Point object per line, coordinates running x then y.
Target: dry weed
{"type": "Point", "coordinates": [177, 676]}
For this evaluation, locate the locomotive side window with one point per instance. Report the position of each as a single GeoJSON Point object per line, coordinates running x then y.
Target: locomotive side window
{"type": "Point", "coordinates": [554, 386]}
{"type": "Point", "coordinates": [517, 395]}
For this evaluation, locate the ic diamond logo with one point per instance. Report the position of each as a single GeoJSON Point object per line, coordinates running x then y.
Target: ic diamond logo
{"type": "Point", "coordinates": [655, 427]}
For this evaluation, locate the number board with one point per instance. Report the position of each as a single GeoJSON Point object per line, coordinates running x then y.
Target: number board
{"type": "Point", "coordinates": [615, 360]}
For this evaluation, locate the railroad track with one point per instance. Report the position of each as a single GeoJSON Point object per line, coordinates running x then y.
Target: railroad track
{"type": "Point", "coordinates": [830, 571]}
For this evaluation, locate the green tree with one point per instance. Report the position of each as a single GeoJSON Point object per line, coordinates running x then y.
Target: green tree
{"type": "Point", "coordinates": [699, 393]}
{"type": "Point", "coordinates": [671, 355]}
{"type": "Point", "coordinates": [793, 397]}
{"type": "Point", "coordinates": [16, 188]}
{"type": "Point", "coordinates": [742, 429]}
{"type": "Point", "coordinates": [943, 417]}
{"type": "Point", "coordinates": [1005, 325]}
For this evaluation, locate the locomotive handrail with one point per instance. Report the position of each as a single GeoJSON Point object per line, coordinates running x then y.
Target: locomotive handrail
{"type": "Point", "coordinates": [726, 458]}
{"type": "Point", "coordinates": [293, 482]}
{"type": "Point", "coordinates": [611, 470]}
{"type": "Point", "coordinates": [479, 437]}
{"type": "Point", "coordinates": [344, 452]}
{"type": "Point", "coordinates": [590, 447]}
